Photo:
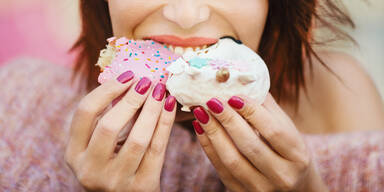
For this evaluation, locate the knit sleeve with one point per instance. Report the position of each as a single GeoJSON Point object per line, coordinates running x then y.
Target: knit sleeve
{"type": "Point", "coordinates": [350, 161]}
{"type": "Point", "coordinates": [36, 98]}
{"type": "Point", "coordinates": [29, 86]}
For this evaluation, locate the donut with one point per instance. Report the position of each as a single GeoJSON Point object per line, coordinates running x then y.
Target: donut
{"type": "Point", "coordinates": [222, 70]}
{"type": "Point", "coordinates": [143, 57]}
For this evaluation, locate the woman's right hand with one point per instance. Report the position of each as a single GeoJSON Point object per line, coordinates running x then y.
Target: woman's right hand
{"type": "Point", "coordinates": [94, 131]}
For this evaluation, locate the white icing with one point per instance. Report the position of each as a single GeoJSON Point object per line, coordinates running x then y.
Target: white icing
{"type": "Point", "coordinates": [193, 87]}
{"type": "Point", "coordinates": [192, 71]}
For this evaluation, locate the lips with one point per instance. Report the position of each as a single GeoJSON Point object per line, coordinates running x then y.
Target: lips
{"type": "Point", "coordinates": [183, 42]}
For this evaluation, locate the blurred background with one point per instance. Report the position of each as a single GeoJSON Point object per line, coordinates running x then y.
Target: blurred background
{"type": "Point", "coordinates": [54, 25]}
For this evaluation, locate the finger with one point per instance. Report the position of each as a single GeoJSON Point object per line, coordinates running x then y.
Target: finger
{"type": "Point", "coordinates": [226, 177]}
{"type": "Point", "coordinates": [233, 160]}
{"type": "Point", "coordinates": [104, 138]}
{"type": "Point", "coordinates": [141, 134]}
{"type": "Point", "coordinates": [271, 105]}
{"type": "Point", "coordinates": [92, 105]}
{"type": "Point", "coordinates": [298, 152]}
{"type": "Point", "coordinates": [249, 144]}
{"type": "Point", "coordinates": [153, 159]}
{"type": "Point", "coordinates": [273, 124]}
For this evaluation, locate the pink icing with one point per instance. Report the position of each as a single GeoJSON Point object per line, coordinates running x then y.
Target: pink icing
{"type": "Point", "coordinates": [145, 58]}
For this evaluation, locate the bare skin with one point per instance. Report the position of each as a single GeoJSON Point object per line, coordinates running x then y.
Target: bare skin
{"type": "Point", "coordinates": [235, 133]}
{"type": "Point", "coordinates": [333, 105]}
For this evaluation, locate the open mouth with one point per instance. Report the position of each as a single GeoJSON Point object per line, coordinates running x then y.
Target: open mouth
{"type": "Point", "coordinates": [182, 45]}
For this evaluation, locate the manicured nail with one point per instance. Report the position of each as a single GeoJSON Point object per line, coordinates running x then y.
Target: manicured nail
{"type": "Point", "coordinates": [159, 92]}
{"type": "Point", "coordinates": [201, 115]}
{"type": "Point", "coordinates": [215, 105]}
{"type": "Point", "coordinates": [125, 77]}
{"type": "Point", "coordinates": [197, 127]}
{"type": "Point", "coordinates": [143, 85]}
{"type": "Point", "coordinates": [236, 102]}
{"type": "Point", "coordinates": [170, 103]}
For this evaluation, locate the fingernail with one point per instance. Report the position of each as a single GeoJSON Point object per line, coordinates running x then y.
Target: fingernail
{"type": "Point", "coordinates": [170, 103]}
{"type": "Point", "coordinates": [125, 77]}
{"type": "Point", "coordinates": [201, 115]}
{"type": "Point", "coordinates": [215, 105]}
{"type": "Point", "coordinates": [159, 92]}
{"type": "Point", "coordinates": [197, 127]}
{"type": "Point", "coordinates": [236, 102]}
{"type": "Point", "coordinates": [143, 85]}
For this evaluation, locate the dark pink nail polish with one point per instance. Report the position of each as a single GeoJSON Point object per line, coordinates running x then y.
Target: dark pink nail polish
{"type": "Point", "coordinates": [125, 77]}
{"type": "Point", "coordinates": [236, 102]}
{"type": "Point", "coordinates": [215, 105]}
{"type": "Point", "coordinates": [159, 92]}
{"type": "Point", "coordinates": [170, 103]}
{"type": "Point", "coordinates": [201, 115]}
{"type": "Point", "coordinates": [143, 85]}
{"type": "Point", "coordinates": [197, 127]}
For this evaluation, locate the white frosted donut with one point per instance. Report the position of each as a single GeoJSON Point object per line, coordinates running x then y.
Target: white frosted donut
{"type": "Point", "coordinates": [222, 71]}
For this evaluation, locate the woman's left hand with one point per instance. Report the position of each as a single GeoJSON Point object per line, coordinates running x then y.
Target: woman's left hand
{"type": "Point", "coordinates": [255, 147]}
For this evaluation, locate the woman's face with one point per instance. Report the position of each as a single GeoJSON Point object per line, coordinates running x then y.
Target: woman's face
{"type": "Point", "coordinates": [204, 20]}
{"type": "Point", "coordinates": [189, 23]}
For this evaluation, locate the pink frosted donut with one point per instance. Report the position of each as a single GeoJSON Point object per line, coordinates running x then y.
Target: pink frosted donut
{"type": "Point", "coordinates": [143, 57]}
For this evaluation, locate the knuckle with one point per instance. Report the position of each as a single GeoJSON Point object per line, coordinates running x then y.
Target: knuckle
{"type": "Point", "coordinates": [107, 128]}
{"type": "Point", "coordinates": [110, 185]}
{"type": "Point", "coordinates": [85, 108]}
{"type": "Point", "coordinates": [157, 147]}
{"type": "Point", "coordinates": [212, 131]}
{"type": "Point", "coordinates": [132, 102]}
{"type": "Point", "coordinates": [286, 183]}
{"type": "Point", "coordinates": [249, 111]}
{"type": "Point", "coordinates": [232, 163]}
{"type": "Point", "coordinates": [303, 162]}
{"type": "Point", "coordinates": [94, 182]}
{"type": "Point", "coordinates": [205, 144]}
{"type": "Point", "coordinates": [253, 150]}
{"type": "Point", "coordinates": [272, 134]}
{"type": "Point", "coordinates": [111, 91]}
{"type": "Point", "coordinates": [165, 121]}
{"type": "Point", "coordinates": [137, 146]}
{"type": "Point", "coordinates": [227, 119]}
{"type": "Point", "coordinates": [87, 180]}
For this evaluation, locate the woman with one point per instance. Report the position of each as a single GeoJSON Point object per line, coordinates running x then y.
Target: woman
{"type": "Point", "coordinates": [331, 97]}
{"type": "Point", "coordinates": [251, 147]}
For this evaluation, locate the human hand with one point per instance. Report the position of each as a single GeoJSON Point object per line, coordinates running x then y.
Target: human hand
{"type": "Point", "coordinates": [94, 131]}
{"type": "Point", "coordinates": [255, 147]}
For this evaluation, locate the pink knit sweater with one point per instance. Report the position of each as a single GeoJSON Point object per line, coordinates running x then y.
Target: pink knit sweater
{"type": "Point", "coordinates": [37, 102]}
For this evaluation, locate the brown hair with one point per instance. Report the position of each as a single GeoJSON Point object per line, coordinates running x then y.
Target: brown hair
{"type": "Point", "coordinates": [286, 43]}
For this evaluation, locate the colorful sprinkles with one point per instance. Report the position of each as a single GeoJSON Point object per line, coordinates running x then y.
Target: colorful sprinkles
{"type": "Point", "coordinates": [148, 58]}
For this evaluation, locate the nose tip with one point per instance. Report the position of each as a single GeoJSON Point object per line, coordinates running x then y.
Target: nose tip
{"type": "Point", "coordinates": [186, 14]}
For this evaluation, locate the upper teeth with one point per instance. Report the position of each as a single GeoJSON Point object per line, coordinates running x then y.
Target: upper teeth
{"type": "Point", "coordinates": [181, 50]}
